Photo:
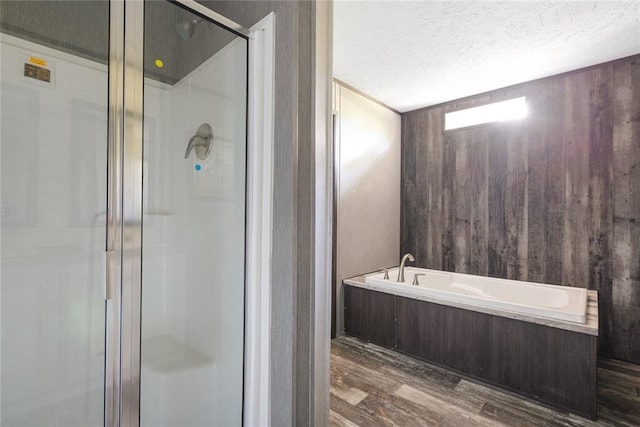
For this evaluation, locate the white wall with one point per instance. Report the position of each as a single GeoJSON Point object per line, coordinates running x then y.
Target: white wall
{"type": "Point", "coordinates": [368, 188]}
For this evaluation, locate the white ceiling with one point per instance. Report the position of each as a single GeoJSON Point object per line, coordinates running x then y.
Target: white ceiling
{"type": "Point", "coordinates": [412, 54]}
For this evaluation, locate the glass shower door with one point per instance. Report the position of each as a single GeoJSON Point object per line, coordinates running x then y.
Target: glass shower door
{"type": "Point", "coordinates": [193, 223]}
{"type": "Point", "coordinates": [53, 150]}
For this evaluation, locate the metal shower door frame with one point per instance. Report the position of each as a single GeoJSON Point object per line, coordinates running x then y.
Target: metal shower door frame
{"type": "Point", "coordinates": [123, 258]}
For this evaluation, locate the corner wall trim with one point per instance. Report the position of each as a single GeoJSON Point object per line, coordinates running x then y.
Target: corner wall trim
{"type": "Point", "coordinates": [323, 206]}
{"type": "Point", "coordinates": [257, 398]}
{"type": "Point", "coordinates": [369, 97]}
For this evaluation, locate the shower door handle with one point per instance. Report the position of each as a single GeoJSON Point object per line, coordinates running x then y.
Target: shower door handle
{"type": "Point", "coordinates": [107, 273]}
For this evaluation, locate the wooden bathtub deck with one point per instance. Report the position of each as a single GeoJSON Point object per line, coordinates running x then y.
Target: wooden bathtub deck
{"type": "Point", "coordinates": [373, 386]}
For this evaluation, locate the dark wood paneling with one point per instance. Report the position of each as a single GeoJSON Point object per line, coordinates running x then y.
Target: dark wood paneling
{"type": "Point", "coordinates": [601, 179]}
{"type": "Point", "coordinates": [499, 140]}
{"type": "Point", "coordinates": [461, 205]}
{"type": "Point", "coordinates": [557, 138]}
{"type": "Point", "coordinates": [478, 206]}
{"type": "Point", "coordinates": [626, 211]}
{"type": "Point", "coordinates": [370, 315]}
{"type": "Point", "coordinates": [445, 335]}
{"type": "Point", "coordinates": [536, 225]}
{"type": "Point", "coordinates": [516, 205]}
{"type": "Point", "coordinates": [448, 205]}
{"type": "Point", "coordinates": [551, 199]}
{"type": "Point", "coordinates": [408, 228]}
{"type": "Point", "coordinates": [434, 190]}
{"type": "Point", "coordinates": [536, 125]}
{"type": "Point", "coordinates": [553, 365]}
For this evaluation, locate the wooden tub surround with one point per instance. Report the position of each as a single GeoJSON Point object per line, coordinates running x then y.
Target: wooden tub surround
{"type": "Point", "coordinates": [550, 361]}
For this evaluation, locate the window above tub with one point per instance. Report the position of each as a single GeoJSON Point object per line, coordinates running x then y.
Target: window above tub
{"type": "Point", "coordinates": [511, 109]}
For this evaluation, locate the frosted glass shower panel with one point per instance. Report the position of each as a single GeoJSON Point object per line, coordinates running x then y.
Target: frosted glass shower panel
{"type": "Point", "coordinates": [53, 150]}
{"type": "Point", "coordinates": [194, 220]}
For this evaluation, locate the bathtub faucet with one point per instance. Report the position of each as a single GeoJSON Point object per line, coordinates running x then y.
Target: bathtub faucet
{"type": "Point", "coordinates": [401, 269]}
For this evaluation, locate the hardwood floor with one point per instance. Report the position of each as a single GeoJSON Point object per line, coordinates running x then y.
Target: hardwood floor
{"type": "Point", "coordinates": [374, 386]}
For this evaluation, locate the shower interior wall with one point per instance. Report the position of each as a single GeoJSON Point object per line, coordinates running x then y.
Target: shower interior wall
{"type": "Point", "coordinates": [52, 257]}
{"type": "Point", "coordinates": [53, 171]}
{"type": "Point", "coordinates": [191, 290]}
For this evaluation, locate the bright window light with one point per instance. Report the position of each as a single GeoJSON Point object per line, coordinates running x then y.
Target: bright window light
{"type": "Point", "coordinates": [511, 109]}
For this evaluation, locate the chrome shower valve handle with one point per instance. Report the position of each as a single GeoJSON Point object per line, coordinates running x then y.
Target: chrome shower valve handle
{"type": "Point", "coordinates": [202, 142]}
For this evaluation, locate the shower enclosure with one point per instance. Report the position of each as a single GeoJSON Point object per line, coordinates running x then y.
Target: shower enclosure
{"type": "Point", "coordinates": [123, 205]}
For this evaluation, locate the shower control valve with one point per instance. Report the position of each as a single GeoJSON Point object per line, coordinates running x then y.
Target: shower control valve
{"type": "Point", "coordinates": [202, 142]}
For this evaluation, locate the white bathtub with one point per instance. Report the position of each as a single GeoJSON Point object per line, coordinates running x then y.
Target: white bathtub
{"type": "Point", "coordinates": [548, 301]}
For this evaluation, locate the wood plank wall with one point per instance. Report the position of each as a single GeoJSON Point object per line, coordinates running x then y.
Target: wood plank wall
{"type": "Point", "coordinates": [554, 198]}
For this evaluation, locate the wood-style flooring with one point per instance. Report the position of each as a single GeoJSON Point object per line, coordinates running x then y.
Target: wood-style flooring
{"type": "Point", "coordinates": [373, 386]}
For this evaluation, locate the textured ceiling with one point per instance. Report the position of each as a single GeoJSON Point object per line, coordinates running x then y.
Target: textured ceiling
{"type": "Point", "coordinates": [412, 54]}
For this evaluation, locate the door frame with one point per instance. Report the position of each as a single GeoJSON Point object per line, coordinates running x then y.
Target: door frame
{"type": "Point", "coordinates": [113, 253]}
{"type": "Point", "coordinates": [124, 219]}
{"type": "Point", "coordinates": [122, 261]}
